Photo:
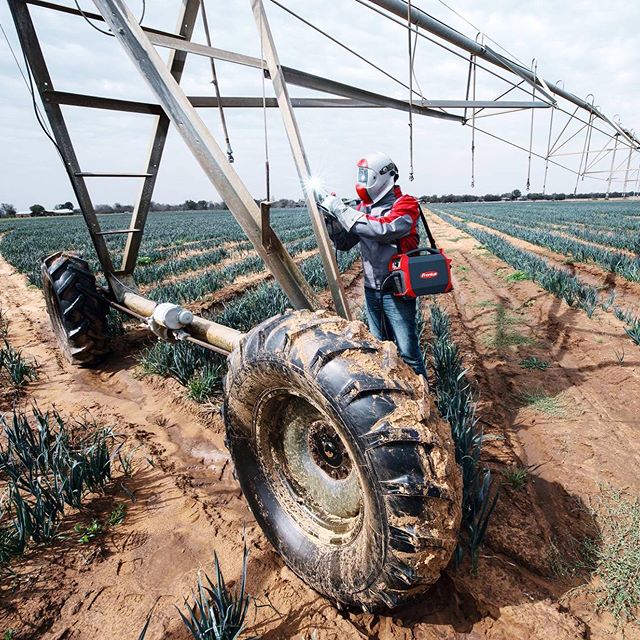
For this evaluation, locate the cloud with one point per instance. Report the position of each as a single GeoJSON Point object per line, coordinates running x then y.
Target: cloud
{"type": "Point", "coordinates": [591, 46]}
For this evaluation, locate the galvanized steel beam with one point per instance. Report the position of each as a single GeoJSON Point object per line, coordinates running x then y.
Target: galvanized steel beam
{"type": "Point", "coordinates": [423, 20]}
{"type": "Point", "coordinates": [325, 246]}
{"type": "Point", "coordinates": [186, 21]}
{"type": "Point", "coordinates": [204, 147]}
{"type": "Point", "coordinates": [42, 80]}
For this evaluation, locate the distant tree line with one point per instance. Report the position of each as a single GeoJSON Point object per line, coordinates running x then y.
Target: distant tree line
{"type": "Point", "coordinates": [7, 210]}
{"type": "Point", "coordinates": [516, 194]}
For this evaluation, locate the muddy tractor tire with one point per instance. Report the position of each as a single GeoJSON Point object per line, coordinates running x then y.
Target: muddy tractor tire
{"type": "Point", "coordinates": [76, 310]}
{"type": "Point", "coordinates": [343, 459]}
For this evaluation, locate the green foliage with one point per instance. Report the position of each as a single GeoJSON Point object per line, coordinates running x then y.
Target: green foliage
{"type": "Point", "coordinates": [191, 365]}
{"type": "Point", "coordinates": [516, 476]}
{"type": "Point", "coordinates": [14, 368]}
{"type": "Point", "coordinates": [207, 383]}
{"type": "Point", "coordinates": [457, 404]}
{"type": "Point", "coordinates": [87, 532]}
{"type": "Point", "coordinates": [9, 634]}
{"type": "Point", "coordinates": [503, 335]}
{"type": "Point", "coordinates": [114, 324]}
{"type": "Point", "coordinates": [616, 555]}
{"type": "Point", "coordinates": [517, 276]}
{"type": "Point", "coordinates": [45, 469]}
{"type": "Point", "coordinates": [117, 516]}
{"type": "Point", "coordinates": [534, 363]}
{"type": "Point", "coordinates": [4, 324]}
{"type": "Point", "coordinates": [540, 401]}
{"type": "Point", "coordinates": [217, 613]}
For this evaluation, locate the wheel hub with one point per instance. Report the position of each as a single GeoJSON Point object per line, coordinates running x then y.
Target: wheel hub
{"type": "Point", "coordinates": [310, 466]}
{"type": "Point", "coordinates": [327, 450]}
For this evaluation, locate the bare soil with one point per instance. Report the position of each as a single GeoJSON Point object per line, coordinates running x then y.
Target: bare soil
{"type": "Point", "coordinates": [188, 504]}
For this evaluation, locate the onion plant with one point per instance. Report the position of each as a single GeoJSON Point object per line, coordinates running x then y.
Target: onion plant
{"type": "Point", "coordinates": [14, 367]}
{"type": "Point", "coordinates": [216, 612]}
{"type": "Point", "coordinates": [46, 470]}
{"type": "Point", "coordinates": [457, 404]}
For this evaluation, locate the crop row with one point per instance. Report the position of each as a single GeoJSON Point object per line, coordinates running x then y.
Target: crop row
{"type": "Point", "coordinates": [456, 401]}
{"type": "Point", "coordinates": [625, 265]}
{"type": "Point", "coordinates": [618, 217]}
{"type": "Point", "coordinates": [620, 239]}
{"type": "Point", "coordinates": [168, 235]}
{"type": "Point", "coordinates": [611, 234]}
{"type": "Point", "coordinates": [198, 286]}
{"type": "Point", "coordinates": [201, 370]}
{"type": "Point", "coordinates": [562, 284]}
{"type": "Point", "coordinates": [46, 470]}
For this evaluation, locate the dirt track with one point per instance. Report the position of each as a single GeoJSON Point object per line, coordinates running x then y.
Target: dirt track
{"type": "Point", "coordinates": [188, 503]}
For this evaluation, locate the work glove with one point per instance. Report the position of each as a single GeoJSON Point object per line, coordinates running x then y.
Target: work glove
{"type": "Point", "coordinates": [345, 215]}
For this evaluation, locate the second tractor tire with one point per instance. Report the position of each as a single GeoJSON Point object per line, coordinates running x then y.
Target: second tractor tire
{"type": "Point", "coordinates": [76, 310]}
{"type": "Point", "coordinates": [343, 459]}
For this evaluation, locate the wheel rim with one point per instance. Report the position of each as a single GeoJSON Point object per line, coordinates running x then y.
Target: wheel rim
{"type": "Point", "coordinates": [311, 468]}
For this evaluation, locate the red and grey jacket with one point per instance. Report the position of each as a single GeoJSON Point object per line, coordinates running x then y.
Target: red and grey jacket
{"type": "Point", "coordinates": [383, 229]}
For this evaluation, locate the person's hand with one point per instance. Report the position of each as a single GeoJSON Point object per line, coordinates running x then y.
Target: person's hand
{"type": "Point", "coordinates": [331, 205]}
{"type": "Point", "coordinates": [320, 193]}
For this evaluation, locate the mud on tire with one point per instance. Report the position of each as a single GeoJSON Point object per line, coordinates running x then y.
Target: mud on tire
{"type": "Point", "coordinates": [344, 461]}
{"type": "Point", "coordinates": [77, 313]}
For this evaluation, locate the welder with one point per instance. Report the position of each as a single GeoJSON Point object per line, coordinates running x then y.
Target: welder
{"type": "Point", "coordinates": [385, 223]}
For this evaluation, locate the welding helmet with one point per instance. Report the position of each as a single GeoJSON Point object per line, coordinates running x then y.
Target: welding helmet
{"type": "Point", "coordinates": [377, 174]}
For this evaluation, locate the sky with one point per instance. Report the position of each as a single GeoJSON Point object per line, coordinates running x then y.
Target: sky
{"type": "Point", "coordinates": [593, 47]}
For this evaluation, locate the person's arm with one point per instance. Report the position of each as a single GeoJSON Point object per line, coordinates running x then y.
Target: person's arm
{"type": "Point", "coordinates": [385, 229]}
{"type": "Point", "coordinates": [342, 239]}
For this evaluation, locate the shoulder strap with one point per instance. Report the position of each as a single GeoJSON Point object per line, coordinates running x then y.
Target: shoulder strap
{"type": "Point", "coordinates": [432, 240]}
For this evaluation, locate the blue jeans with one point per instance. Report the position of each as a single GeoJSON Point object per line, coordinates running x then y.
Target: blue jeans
{"type": "Point", "coordinates": [392, 318]}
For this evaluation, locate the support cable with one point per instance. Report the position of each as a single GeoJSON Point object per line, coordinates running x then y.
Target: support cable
{"type": "Point", "coordinates": [599, 157]}
{"type": "Point", "coordinates": [582, 160]}
{"type": "Point", "coordinates": [568, 122]}
{"type": "Point", "coordinates": [589, 133]}
{"type": "Point", "coordinates": [484, 35]}
{"type": "Point", "coordinates": [570, 138]}
{"type": "Point", "coordinates": [345, 47]}
{"type": "Point", "coordinates": [466, 94]}
{"type": "Point", "coordinates": [28, 80]}
{"type": "Point", "coordinates": [502, 95]}
{"type": "Point", "coordinates": [626, 174]}
{"type": "Point", "coordinates": [537, 155]}
{"type": "Point", "coordinates": [104, 31]}
{"type": "Point", "coordinates": [613, 159]}
{"type": "Point", "coordinates": [216, 86]}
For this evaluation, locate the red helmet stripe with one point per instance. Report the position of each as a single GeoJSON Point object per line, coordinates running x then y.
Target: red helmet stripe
{"type": "Point", "coordinates": [363, 194]}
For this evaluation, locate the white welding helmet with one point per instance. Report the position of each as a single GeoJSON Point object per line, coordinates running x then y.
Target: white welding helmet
{"type": "Point", "coordinates": [377, 174]}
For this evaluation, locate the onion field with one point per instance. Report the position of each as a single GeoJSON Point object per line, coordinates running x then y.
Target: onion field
{"type": "Point", "coordinates": [185, 258]}
{"type": "Point", "coordinates": [564, 248]}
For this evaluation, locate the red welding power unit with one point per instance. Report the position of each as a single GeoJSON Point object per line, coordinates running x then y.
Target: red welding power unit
{"type": "Point", "coordinates": [420, 272]}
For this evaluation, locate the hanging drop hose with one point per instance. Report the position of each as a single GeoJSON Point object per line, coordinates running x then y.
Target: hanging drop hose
{"type": "Point", "coordinates": [411, 54]}
{"type": "Point", "coordinates": [267, 172]}
{"type": "Point", "coordinates": [534, 68]}
{"type": "Point", "coordinates": [474, 73]}
{"type": "Point", "coordinates": [214, 82]}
